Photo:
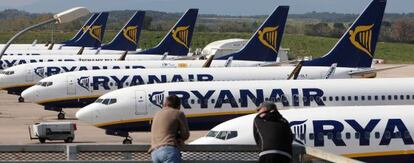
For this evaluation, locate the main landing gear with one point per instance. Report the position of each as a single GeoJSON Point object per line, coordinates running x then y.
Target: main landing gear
{"type": "Point", "coordinates": [61, 114]}
{"type": "Point", "coordinates": [20, 99]}
{"type": "Point", "coordinates": [128, 139]}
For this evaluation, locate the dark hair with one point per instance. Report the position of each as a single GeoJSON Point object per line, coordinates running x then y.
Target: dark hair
{"type": "Point", "coordinates": [173, 101]}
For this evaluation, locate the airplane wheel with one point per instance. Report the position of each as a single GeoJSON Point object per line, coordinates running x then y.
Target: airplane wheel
{"type": "Point", "coordinates": [20, 99]}
{"type": "Point", "coordinates": [42, 140]}
{"type": "Point", "coordinates": [127, 141]}
{"type": "Point", "coordinates": [61, 115]}
{"type": "Point", "coordinates": [69, 140]}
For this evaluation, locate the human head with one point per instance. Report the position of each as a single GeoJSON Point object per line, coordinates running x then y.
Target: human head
{"type": "Point", "coordinates": [173, 101]}
{"type": "Point", "coordinates": [266, 107]}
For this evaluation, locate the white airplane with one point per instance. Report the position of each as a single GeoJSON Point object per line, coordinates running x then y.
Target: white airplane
{"type": "Point", "coordinates": [130, 109]}
{"type": "Point", "coordinates": [176, 44]}
{"type": "Point", "coordinates": [14, 79]}
{"type": "Point", "coordinates": [80, 88]}
{"type": "Point", "coordinates": [366, 133]}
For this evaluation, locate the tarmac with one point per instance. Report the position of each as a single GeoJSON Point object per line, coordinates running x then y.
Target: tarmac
{"type": "Point", "coordinates": [16, 117]}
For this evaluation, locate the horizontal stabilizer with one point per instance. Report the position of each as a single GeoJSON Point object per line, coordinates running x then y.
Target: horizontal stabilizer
{"type": "Point", "coordinates": [373, 70]}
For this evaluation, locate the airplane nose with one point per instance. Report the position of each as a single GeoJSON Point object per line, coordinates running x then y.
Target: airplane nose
{"type": "Point", "coordinates": [85, 114]}
{"type": "Point", "coordinates": [29, 95]}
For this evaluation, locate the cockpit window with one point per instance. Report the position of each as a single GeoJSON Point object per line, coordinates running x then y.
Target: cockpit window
{"type": "Point", "coordinates": [99, 100]}
{"type": "Point", "coordinates": [223, 135]}
{"type": "Point", "coordinates": [212, 134]}
{"type": "Point", "coordinates": [107, 101]}
{"type": "Point", "coordinates": [44, 84]}
{"type": "Point", "coordinates": [7, 72]}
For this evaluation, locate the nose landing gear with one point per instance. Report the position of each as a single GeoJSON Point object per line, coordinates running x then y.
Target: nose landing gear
{"type": "Point", "coordinates": [20, 99]}
{"type": "Point", "coordinates": [61, 114]}
{"type": "Point", "coordinates": [127, 140]}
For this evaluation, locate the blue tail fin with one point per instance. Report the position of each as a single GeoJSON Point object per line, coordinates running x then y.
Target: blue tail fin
{"type": "Point", "coordinates": [92, 36]}
{"type": "Point", "coordinates": [357, 46]}
{"type": "Point", "coordinates": [178, 39]}
{"type": "Point", "coordinates": [264, 44]}
{"type": "Point", "coordinates": [80, 32]}
{"type": "Point", "coordinates": [127, 37]}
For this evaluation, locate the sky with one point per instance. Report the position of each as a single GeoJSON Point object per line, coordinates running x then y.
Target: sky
{"type": "Point", "coordinates": [219, 7]}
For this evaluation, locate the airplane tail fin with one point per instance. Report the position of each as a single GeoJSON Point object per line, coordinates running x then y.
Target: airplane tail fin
{"type": "Point", "coordinates": [80, 32]}
{"type": "Point", "coordinates": [356, 48]}
{"type": "Point", "coordinates": [127, 38]}
{"type": "Point", "coordinates": [178, 39]}
{"type": "Point", "coordinates": [265, 43]}
{"type": "Point", "coordinates": [92, 36]}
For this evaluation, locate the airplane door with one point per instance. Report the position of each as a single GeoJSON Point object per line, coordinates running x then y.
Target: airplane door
{"type": "Point", "coordinates": [71, 85]}
{"type": "Point", "coordinates": [29, 75]}
{"type": "Point", "coordinates": [140, 103]}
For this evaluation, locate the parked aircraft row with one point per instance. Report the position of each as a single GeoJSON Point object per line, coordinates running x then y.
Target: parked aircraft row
{"type": "Point", "coordinates": [219, 89]}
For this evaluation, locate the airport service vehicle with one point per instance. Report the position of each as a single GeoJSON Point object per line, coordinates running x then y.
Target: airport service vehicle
{"type": "Point", "coordinates": [176, 44]}
{"type": "Point", "coordinates": [374, 134]}
{"type": "Point", "coordinates": [131, 109]}
{"type": "Point", "coordinates": [14, 79]}
{"type": "Point", "coordinates": [53, 131]}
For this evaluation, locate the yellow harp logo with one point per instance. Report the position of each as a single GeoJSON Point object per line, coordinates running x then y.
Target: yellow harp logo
{"type": "Point", "coordinates": [95, 32]}
{"type": "Point", "coordinates": [180, 34]}
{"type": "Point", "coordinates": [85, 28]}
{"type": "Point", "coordinates": [361, 38]}
{"type": "Point", "coordinates": [268, 37]}
{"type": "Point", "coordinates": [130, 33]}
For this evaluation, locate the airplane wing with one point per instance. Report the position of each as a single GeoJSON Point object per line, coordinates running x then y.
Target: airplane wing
{"type": "Point", "coordinates": [295, 73]}
{"type": "Point", "coordinates": [208, 62]}
{"type": "Point", "coordinates": [373, 70]}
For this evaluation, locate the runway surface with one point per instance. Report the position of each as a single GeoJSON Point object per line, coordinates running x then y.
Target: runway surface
{"type": "Point", "coordinates": [16, 117]}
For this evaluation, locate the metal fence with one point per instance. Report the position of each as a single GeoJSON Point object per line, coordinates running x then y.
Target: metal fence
{"type": "Point", "coordinates": [138, 153]}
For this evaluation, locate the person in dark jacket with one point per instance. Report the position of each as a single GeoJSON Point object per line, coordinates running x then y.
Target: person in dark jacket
{"type": "Point", "coordinates": [272, 134]}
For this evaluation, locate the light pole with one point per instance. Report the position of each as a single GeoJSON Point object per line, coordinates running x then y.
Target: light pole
{"type": "Point", "coordinates": [63, 17]}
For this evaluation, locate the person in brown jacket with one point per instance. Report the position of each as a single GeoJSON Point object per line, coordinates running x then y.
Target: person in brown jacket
{"type": "Point", "coordinates": [169, 130]}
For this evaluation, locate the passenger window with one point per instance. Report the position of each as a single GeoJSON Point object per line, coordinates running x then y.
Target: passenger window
{"type": "Point", "coordinates": [336, 98]}
{"type": "Point", "coordinates": [311, 136]}
{"type": "Point", "coordinates": [407, 135]}
{"type": "Point", "coordinates": [408, 97]}
{"type": "Point", "coordinates": [387, 135]}
{"type": "Point", "coordinates": [330, 135]}
{"type": "Point", "coordinates": [395, 97]}
{"type": "Point", "coordinates": [330, 98]}
{"type": "Point", "coordinates": [192, 101]}
{"type": "Point", "coordinates": [369, 98]}
{"type": "Point", "coordinates": [356, 98]}
{"type": "Point", "coordinates": [383, 97]}
{"type": "Point", "coordinates": [357, 135]}
{"type": "Point", "coordinates": [324, 98]}
{"type": "Point", "coordinates": [376, 98]}
{"type": "Point", "coordinates": [349, 98]}
{"type": "Point", "coordinates": [338, 136]}
{"type": "Point", "coordinates": [343, 98]}
{"type": "Point", "coordinates": [397, 134]}
{"type": "Point", "coordinates": [367, 135]}
{"type": "Point", "coordinates": [213, 101]}
{"type": "Point", "coordinates": [389, 97]}
{"type": "Point", "coordinates": [348, 135]}
{"type": "Point", "coordinates": [402, 97]}
{"type": "Point", "coordinates": [363, 98]}
{"type": "Point", "coordinates": [377, 135]}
